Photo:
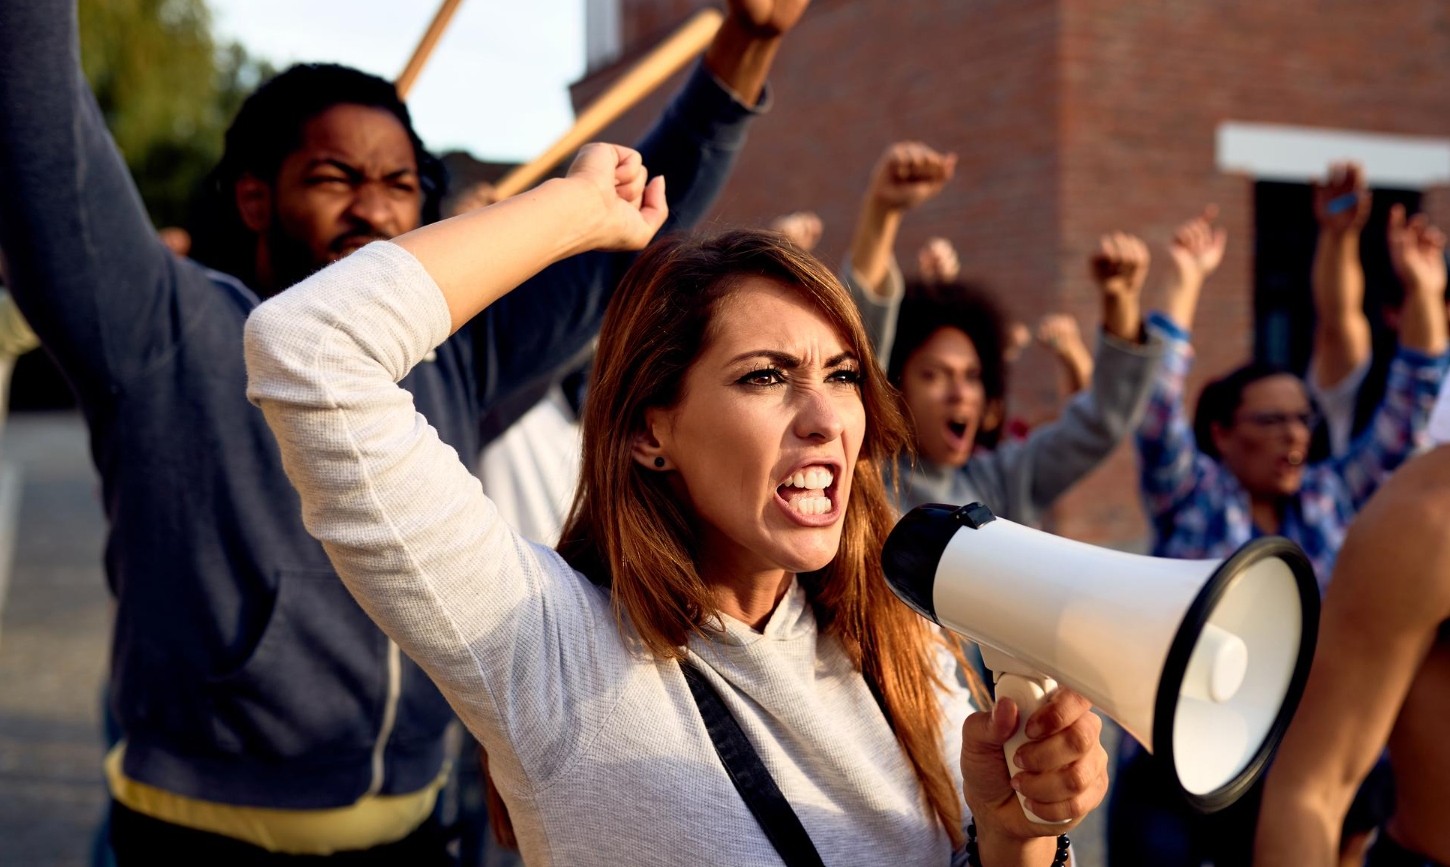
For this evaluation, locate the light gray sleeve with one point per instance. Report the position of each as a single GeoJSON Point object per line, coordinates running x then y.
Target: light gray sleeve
{"type": "Point", "coordinates": [1057, 454]}
{"type": "Point", "coordinates": [518, 642]}
{"type": "Point", "coordinates": [878, 311]}
{"type": "Point", "coordinates": [1336, 403]}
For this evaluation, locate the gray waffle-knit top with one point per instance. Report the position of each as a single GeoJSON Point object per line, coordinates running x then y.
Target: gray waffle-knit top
{"type": "Point", "coordinates": [598, 749]}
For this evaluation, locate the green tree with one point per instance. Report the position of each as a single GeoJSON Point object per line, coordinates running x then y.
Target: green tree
{"type": "Point", "coordinates": [167, 90]}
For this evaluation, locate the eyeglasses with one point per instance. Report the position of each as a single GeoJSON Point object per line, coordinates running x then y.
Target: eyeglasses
{"type": "Point", "coordinates": [1309, 420]}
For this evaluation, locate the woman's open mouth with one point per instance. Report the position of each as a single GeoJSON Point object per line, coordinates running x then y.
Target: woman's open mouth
{"type": "Point", "coordinates": [957, 434]}
{"type": "Point", "coordinates": [808, 495]}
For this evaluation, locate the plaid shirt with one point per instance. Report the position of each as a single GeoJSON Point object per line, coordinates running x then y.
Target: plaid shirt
{"type": "Point", "coordinates": [1200, 511]}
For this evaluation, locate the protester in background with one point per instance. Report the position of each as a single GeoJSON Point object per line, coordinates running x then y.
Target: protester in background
{"type": "Point", "coordinates": [732, 449]}
{"type": "Point", "coordinates": [1381, 678]}
{"type": "Point", "coordinates": [946, 345]}
{"type": "Point", "coordinates": [803, 228]}
{"type": "Point", "coordinates": [937, 262]}
{"type": "Point", "coordinates": [1059, 334]}
{"type": "Point", "coordinates": [948, 362]}
{"type": "Point", "coordinates": [1241, 469]}
{"type": "Point", "coordinates": [264, 715]}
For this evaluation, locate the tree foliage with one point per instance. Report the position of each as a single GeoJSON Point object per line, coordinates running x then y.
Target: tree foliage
{"type": "Point", "coordinates": [167, 90]}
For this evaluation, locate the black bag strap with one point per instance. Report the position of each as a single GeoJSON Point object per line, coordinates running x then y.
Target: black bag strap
{"type": "Point", "coordinates": [750, 776]}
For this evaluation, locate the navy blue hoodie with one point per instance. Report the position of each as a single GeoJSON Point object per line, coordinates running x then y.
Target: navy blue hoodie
{"type": "Point", "coordinates": [243, 672]}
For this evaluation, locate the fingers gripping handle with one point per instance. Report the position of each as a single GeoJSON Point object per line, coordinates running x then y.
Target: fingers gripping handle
{"type": "Point", "coordinates": [1029, 694]}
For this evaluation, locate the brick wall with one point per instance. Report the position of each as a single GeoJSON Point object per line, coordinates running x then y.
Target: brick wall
{"type": "Point", "coordinates": [1071, 118]}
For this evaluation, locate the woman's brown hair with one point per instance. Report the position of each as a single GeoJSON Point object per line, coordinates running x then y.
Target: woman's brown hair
{"type": "Point", "coordinates": [628, 531]}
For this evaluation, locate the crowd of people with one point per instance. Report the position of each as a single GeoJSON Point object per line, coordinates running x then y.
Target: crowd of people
{"type": "Point", "coordinates": [613, 495]}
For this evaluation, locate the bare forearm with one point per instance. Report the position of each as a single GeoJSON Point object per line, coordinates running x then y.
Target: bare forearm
{"type": "Point", "coordinates": [1341, 331]}
{"type": "Point", "coordinates": [1077, 365]}
{"type": "Point", "coordinates": [478, 257]}
{"type": "Point", "coordinates": [741, 59]}
{"type": "Point", "coordinates": [1180, 301]}
{"type": "Point", "coordinates": [1294, 833]}
{"type": "Point", "coordinates": [1422, 322]}
{"type": "Point", "coordinates": [1123, 316]}
{"type": "Point", "coordinates": [873, 243]}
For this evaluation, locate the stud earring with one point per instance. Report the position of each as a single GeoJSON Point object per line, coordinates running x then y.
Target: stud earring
{"type": "Point", "coordinates": [660, 462]}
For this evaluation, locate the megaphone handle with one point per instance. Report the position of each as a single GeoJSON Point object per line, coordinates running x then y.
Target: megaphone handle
{"type": "Point", "coordinates": [1029, 694]}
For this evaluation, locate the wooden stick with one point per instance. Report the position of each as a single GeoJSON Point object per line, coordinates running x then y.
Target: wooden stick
{"type": "Point", "coordinates": [653, 70]}
{"type": "Point", "coordinates": [426, 46]}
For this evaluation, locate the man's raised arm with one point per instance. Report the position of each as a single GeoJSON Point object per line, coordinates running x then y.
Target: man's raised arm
{"type": "Point", "coordinates": [80, 254]}
{"type": "Point", "coordinates": [533, 334]}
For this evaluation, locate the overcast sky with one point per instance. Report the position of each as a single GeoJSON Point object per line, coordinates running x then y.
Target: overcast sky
{"type": "Point", "coordinates": [497, 84]}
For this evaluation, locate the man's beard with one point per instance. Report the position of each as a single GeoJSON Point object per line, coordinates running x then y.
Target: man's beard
{"type": "Point", "coordinates": [293, 261]}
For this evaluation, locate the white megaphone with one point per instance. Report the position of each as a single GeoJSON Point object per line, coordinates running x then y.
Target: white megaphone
{"type": "Point", "coordinates": [1202, 661]}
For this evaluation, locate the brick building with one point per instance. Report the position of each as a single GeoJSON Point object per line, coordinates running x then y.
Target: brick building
{"type": "Point", "coordinates": [1076, 117]}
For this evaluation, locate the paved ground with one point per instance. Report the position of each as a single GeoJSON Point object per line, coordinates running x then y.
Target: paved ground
{"type": "Point", "coordinates": [54, 632]}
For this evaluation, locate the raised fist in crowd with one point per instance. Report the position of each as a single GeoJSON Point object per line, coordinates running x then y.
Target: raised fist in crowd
{"type": "Point", "coordinates": [631, 210]}
{"type": "Point", "coordinates": [802, 228]}
{"type": "Point", "coordinates": [1197, 247]}
{"type": "Point", "coordinates": [1197, 250]}
{"type": "Point", "coordinates": [1060, 335]}
{"type": "Point", "coordinates": [1342, 203]}
{"type": "Point", "coordinates": [908, 174]}
{"type": "Point", "coordinates": [1120, 264]}
{"type": "Point", "coordinates": [768, 17]}
{"type": "Point", "coordinates": [1417, 252]}
{"type": "Point", "coordinates": [937, 261]}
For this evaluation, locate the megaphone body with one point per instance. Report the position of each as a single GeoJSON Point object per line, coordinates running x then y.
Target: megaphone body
{"type": "Point", "coordinates": [1201, 661]}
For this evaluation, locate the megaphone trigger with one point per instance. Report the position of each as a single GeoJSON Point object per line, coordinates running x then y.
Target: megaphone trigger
{"type": "Point", "coordinates": [1029, 694]}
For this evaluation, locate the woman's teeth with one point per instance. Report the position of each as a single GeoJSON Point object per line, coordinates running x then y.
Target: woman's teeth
{"type": "Point", "coordinates": [813, 479]}
{"type": "Point", "coordinates": [810, 486]}
{"type": "Point", "coordinates": [811, 505]}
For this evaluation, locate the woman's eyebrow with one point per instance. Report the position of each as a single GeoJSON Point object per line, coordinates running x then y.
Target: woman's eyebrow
{"type": "Point", "coordinates": [780, 359]}
{"type": "Point", "coordinates": [784, 359]}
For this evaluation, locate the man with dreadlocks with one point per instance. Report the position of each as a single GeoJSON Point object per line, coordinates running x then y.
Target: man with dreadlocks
{"type": "Point", "coordinates": [265, 717]}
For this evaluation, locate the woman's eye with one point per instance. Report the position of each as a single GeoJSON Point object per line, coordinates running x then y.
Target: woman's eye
{"type": "Point", "coordinates": [851, 377]}
{"type": "Point", "coordinates": [766, 376]}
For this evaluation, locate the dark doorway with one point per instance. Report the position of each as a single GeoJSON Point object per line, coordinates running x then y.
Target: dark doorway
{"type": "Point", "coordinates": [1284, 237]}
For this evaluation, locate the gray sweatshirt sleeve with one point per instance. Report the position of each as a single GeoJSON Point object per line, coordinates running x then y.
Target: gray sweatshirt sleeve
{"type": "Point", "coordinates": [878, 312]}
{"type": "Point", "coordinates": [524, 648]}
{"type": "Point", "coordinates": [1034, 473]}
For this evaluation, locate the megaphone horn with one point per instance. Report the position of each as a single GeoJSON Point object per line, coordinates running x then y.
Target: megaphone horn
{"type": "Point", "coordinates": [1201, 661]}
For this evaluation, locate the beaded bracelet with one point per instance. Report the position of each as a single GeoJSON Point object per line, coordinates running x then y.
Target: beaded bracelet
{"type": "Point", "coordinates": [1060, 860]}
